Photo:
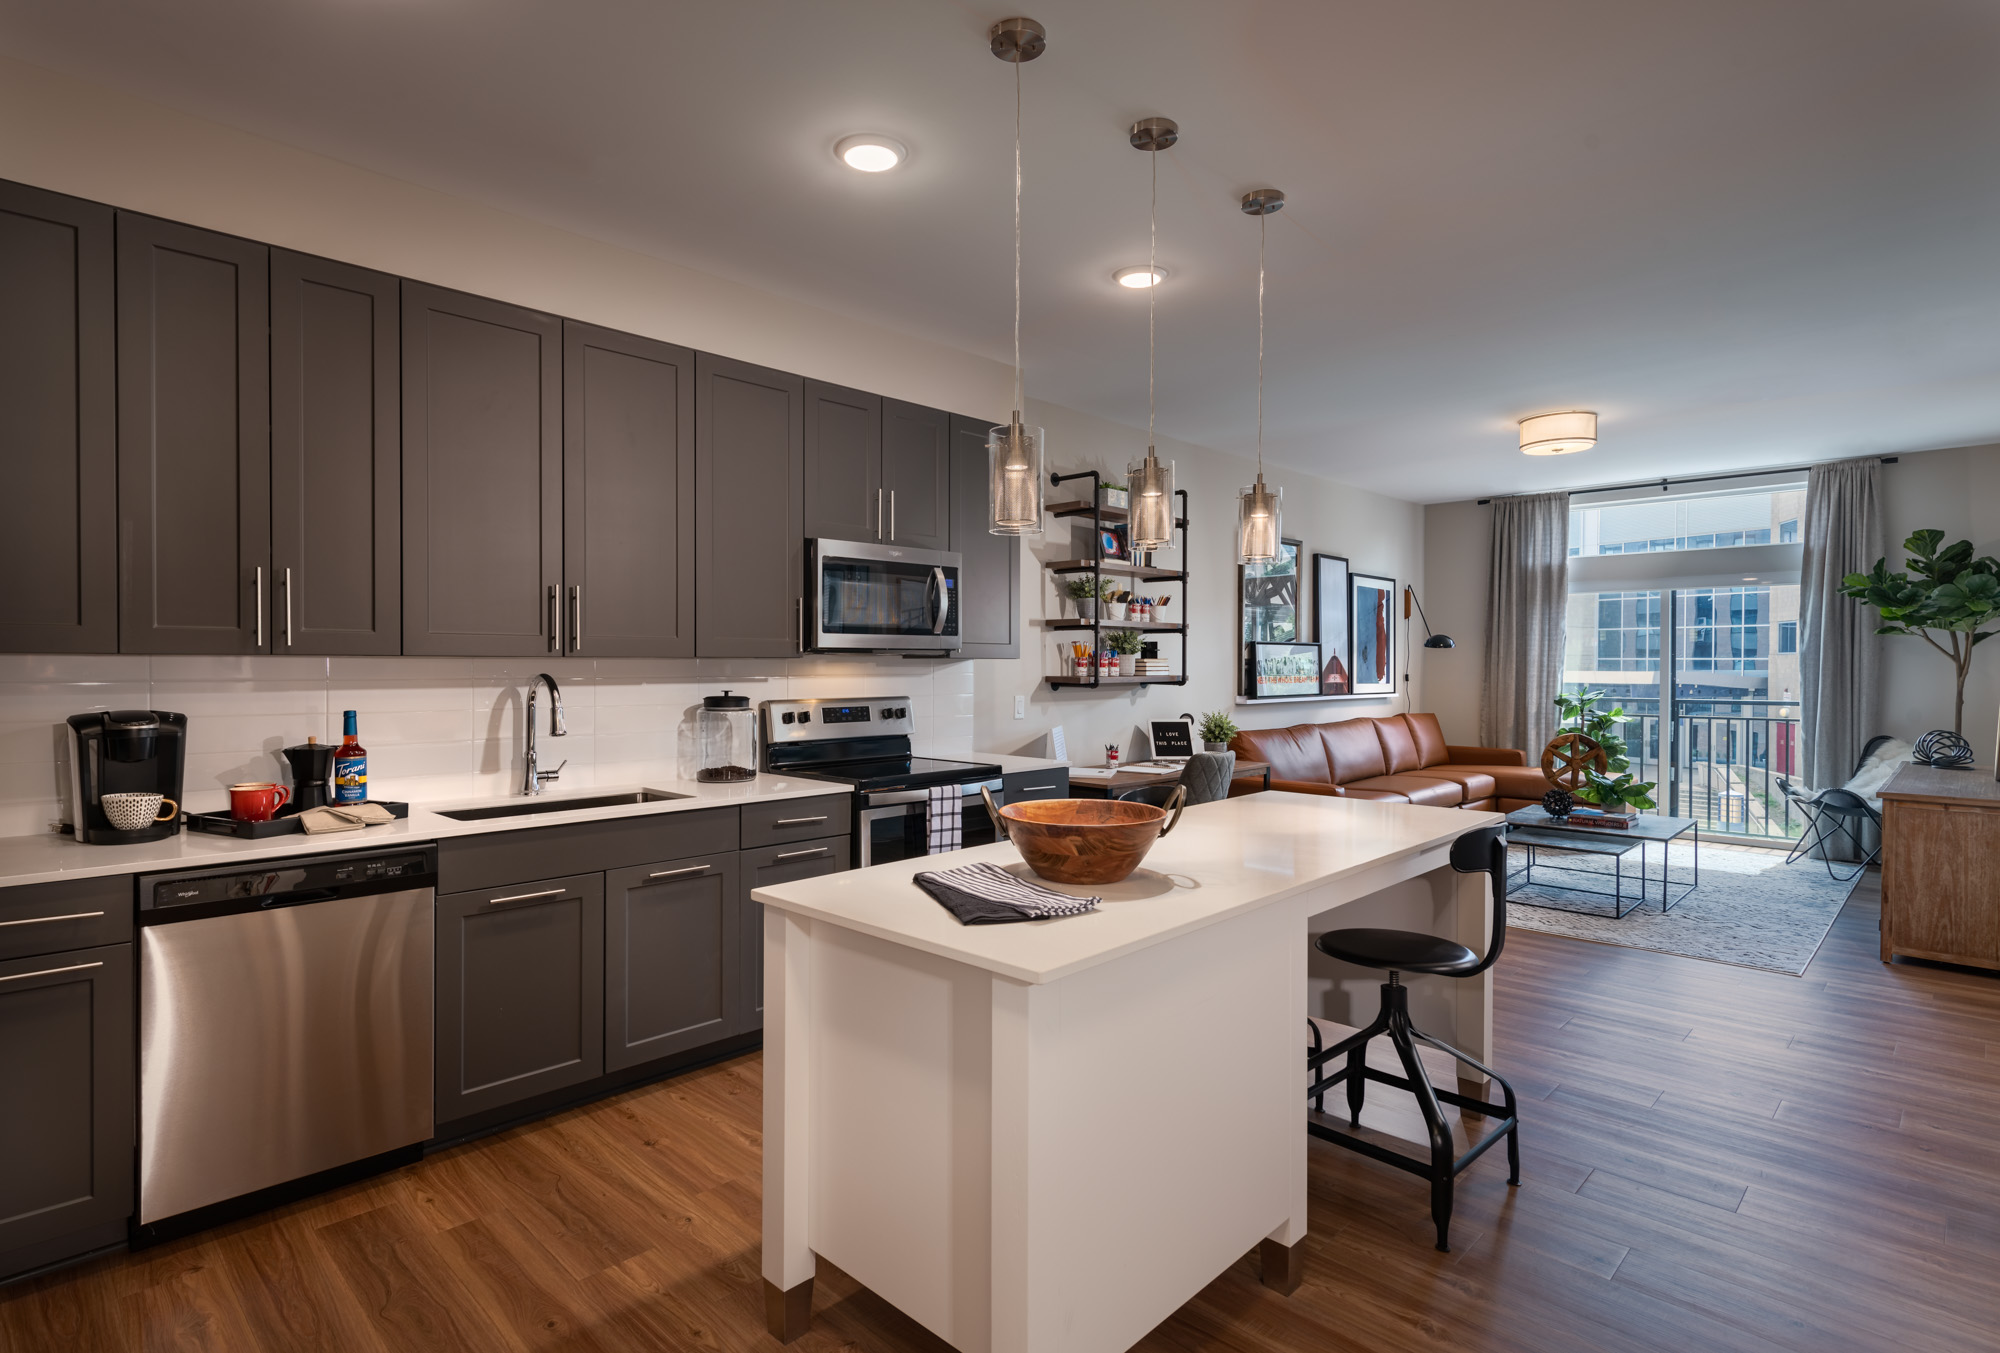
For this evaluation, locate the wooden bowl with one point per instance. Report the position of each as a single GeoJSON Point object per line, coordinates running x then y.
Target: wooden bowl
{"type": "Point", "coordinates": [1084, 840]}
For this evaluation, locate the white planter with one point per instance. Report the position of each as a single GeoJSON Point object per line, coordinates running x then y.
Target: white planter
{"type": "Point", "coordinates": [1114, 610]}
{"type": "Point", "coordinates": [1126, 663]}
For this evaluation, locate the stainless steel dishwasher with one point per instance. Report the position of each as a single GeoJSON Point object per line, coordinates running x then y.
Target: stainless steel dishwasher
{"type": "Point", "coordinates": [285, 1029]}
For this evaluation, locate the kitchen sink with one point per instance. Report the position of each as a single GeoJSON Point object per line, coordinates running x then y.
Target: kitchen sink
{"type": "Point", "coordinates": [525, 807]}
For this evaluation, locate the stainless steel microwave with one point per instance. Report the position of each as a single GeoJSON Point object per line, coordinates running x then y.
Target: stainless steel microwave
{"type": "Point", "coordinates": [881, 598]}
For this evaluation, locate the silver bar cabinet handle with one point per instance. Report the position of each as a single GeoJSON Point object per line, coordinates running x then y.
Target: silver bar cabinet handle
{"type": "Point", "coordinates": [526, 897]}
{"type": "Point", "coordinates": [576, 618]}
{"type": "Point", "coordinates": [288, 608]}
{"type": "Point", "coordinates": [43, 920]}
{"type": "Point", "coordinates": [49, 972]}
{"type": "Point", "coordinates": [260, 605]}
{"type": "Point", "coordinates": [678, 873]}
{"type": "Point", "coordinates": [878, 514]}
{"type": "Point", "coordinates": [892, 514]}
{"type": "Point", "coordinates": [555, 623]}
{"type": "Point", "coordinates": [798, 821]}
{"type": "Point", "coordinates": [800, 606]}
{"type": "Point", "coordinates": [1035, 789]}
{"type": "Point", "coordinates": [804, 854]}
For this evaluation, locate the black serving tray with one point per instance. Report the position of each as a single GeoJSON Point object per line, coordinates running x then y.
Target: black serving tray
{"type": "Point", "coordinates": [222, 824]}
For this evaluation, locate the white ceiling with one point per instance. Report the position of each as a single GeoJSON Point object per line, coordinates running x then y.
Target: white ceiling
{"type": "Point", "coordinates": [1747, 234]}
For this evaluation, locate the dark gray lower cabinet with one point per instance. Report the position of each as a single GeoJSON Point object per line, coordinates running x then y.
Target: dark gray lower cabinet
{"type": "Point", "coordinates": [520, 992]}
{"type": "Point", "coordinates": [989, 603]}
{"type": "Point", "coordinates": [671, 966]}
{"type": "Point", "coordinates": [766, 867]}
{"type": "Point", "coordinates": [1020, 786]}
{"type": "Point", "coordinates": [67, 1134]}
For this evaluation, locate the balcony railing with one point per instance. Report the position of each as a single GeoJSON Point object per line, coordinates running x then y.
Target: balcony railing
{"type": "Point", "coordinates": [1726, 757]}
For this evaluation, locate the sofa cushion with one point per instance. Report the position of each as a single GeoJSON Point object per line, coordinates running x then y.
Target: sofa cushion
{"type": "Point", "coordinates": [1292, 753]}
{"type": "Point", "coordinates": [1353, 750]}
{"type": "Point", "coordinates": [1292, 787]}
{"type": "Point", "coordinates": [1509, 782]}
{"type": "Point", "coordinates": [1390, 795]}
{"type": "Point", "coordinates": [1417, 789]}
{"type": "Point", "coordinates": [1399, 749]}
{"type": "Point", "coordinates": [1429, 737]}
{"type": "Point", "coordinates": [1476, 783]}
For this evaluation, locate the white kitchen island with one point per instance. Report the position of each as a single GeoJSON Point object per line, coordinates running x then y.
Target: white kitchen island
{"type": "Point", "coordinates": [1045, 1137]}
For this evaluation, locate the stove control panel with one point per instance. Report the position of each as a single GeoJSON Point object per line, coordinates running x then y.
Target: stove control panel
{"type": "Point", "coordinates": [830, 720]}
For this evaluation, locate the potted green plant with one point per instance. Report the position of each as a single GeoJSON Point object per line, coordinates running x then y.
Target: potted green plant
{"type": "Point", "coordinates": [1116, 495]}
{"type": "Point", "coordinates": [1619, 794]}
{"type": "Point", "coordinates": [1126, 644]}
{"type": "Point", "coordinates": [1217, 729]}
{"type": "Point", "coordinates": [1579, 714]}
{"type": "Point", "coordinates": [1952, 594]}
{"type": "Point", "coordinates": [1083, 592]}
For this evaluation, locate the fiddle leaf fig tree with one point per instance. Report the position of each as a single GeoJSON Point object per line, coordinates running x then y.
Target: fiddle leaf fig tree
{"type": "Point", "coordinates": [1946, 592]}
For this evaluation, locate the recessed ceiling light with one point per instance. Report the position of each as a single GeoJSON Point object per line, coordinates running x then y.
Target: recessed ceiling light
{"type": "Point", "coordinates": [1141, 277]}
{"type": "Point", "coordinates": [1558, 434]}
{"type": "Point", "coordinates": [869, 153]}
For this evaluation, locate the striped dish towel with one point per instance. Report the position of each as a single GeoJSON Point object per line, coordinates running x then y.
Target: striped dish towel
{"type": "Point", "coordinates": [985, 894]}
{"type": "Point", "coordinates": [945, 829]}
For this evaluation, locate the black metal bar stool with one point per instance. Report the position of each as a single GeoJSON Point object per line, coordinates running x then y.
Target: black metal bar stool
{"type": "Point", "coordinates": [1400, 951]}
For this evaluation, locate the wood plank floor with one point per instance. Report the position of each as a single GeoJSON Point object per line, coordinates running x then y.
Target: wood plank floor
{"type": "Point", "coordinates": [1715, 1159]}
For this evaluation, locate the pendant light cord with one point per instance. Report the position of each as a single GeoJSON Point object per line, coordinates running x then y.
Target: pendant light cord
{"type": "Point", "coordinates": [1018, 410]}
{"type": "Point", "coordinates": [1261, 220]}
{"type": "Point", "coordinates": [1152, 291]}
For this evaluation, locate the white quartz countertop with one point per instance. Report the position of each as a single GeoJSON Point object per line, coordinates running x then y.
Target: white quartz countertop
{"type": "Point", "coordinates": [50, 857]}
{"type": "Point", "coordinates": [1224, 858]}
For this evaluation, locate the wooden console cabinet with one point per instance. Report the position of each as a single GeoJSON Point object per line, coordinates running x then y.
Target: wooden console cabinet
{"type": "Point", "coordinates": [1941, 866]}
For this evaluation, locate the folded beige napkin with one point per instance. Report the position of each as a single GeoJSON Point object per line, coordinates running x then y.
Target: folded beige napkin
{"type": "Point", "coordinates": [345, 817]}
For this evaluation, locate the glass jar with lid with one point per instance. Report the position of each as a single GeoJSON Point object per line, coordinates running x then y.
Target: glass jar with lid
{"type": "Point", "coordinates": [726, 739]}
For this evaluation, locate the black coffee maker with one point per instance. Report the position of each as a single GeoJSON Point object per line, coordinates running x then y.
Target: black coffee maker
{"type": "Point", "coordinates": [124, 751]}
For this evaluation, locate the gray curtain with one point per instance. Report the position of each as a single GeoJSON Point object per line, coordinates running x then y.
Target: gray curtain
{"type": "Point", "coordinates": [1527, 594]}
{"type": "Point", "coordinates": [1837, 644]}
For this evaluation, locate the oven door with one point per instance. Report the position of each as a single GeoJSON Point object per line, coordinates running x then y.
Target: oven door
{"type": "Point", "coordinates": [882, 598]}
{"type": "Point", "coordinates": [897, 826]}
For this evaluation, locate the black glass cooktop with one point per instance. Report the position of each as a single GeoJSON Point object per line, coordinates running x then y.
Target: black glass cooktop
{"type": "Point", "coordinates": [901, 772]}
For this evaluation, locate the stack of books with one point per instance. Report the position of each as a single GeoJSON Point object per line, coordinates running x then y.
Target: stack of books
{"type": "Point", "coordinates": [1152, 667]}
{"type": "Point", "coordinates": [1584, 816]}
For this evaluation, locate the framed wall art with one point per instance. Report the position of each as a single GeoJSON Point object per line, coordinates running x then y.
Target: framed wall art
{"type": "Point", "coordinates": [1330, 624]}
{"type": "Point", "coordinates": [1374, 628]}
{"type": "Point", "coordinates": [1276, 671]}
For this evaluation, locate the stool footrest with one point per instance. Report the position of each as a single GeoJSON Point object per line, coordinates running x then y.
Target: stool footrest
{"type": "Point", "coordinates": [1326, 1132]}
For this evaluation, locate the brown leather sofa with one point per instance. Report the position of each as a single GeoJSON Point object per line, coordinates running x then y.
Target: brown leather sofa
{"type": "Point", "coordinates": [1403, 757]}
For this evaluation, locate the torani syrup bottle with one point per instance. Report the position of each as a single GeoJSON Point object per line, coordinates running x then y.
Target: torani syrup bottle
{"type": "Point", "coordinates": [350, 765]}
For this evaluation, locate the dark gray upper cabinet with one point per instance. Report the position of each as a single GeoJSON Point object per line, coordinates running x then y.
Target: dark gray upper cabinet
{"type": "Point", "coordinates": [520, 992]}
{"type": "Point", "coordinates": [336, 459]}
{"type": "Point", "coordinates": [57, 424]}
{"type": "Point", "coordinates": [671, 963]}
{"type": "Point", "coordinates": [750, 520]}
{"type": "Point", "coordinates": [916, 471]}
{"type": "Point", "coordinates": [845, 497]}
{"type": "Point", "coordinates": [990, 577]}
{"type": "Point", "coordinates": [628, 495]}
{"type": "Point", "coordinates": [194, 450]}
{"type": "Point", "coordinates": [67, 1141]}
{"type": "Point", "coordinates": [482, 476]}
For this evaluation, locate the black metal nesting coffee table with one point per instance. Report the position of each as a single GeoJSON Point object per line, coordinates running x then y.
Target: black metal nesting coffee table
{"type": "Point", "coordinates": [1536, 830]}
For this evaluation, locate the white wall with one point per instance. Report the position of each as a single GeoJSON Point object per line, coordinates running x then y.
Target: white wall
{"type": "Point", "coordinates": [1377, 534]}
{"type": "Point", "coordinates": [1458, 545]}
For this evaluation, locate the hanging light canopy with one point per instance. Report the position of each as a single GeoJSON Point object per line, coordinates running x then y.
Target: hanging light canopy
{"type": "Point", "coordinates": [1259, 529]}
{"type": "Point", "coordinates": [1014, 453]}
{"type": "Point", "coordinates": [1150, 480]}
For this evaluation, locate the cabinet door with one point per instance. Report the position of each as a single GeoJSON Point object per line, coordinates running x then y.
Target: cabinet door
{"type": "Point", "coordinates": [67, 1139]}
{"type": "Point", "coordinates": [989, 603]}
{"type": "Point", "coordinates": [520, 992]}
{"type": "Point", "coordinates": [750, 521]}
{"type": "Point", "coordinates": [482, 476]}
{"type": "Point", "coordinates": [1020, 786]}
{"type": "Point", "coordinates": [916, 470]}
{"type": "Point", "coordinates": [671, 965]}
{"type": "Point", "coordinates": [194, 440]}
{"type": "Point", "coordinates": [844, 492]}
{"type": "Point", "coordinates": [57, 382]}
{"type": "Point", "coordinates": [628, 495]}
{"type": "Point", "coordinates": [766, 868]}
{"type": "Point", "coordinates": [336, 459]}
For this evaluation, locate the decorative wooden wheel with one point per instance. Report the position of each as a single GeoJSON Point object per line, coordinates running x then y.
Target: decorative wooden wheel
{"type": "Point", "coordinates": [1568, 756]}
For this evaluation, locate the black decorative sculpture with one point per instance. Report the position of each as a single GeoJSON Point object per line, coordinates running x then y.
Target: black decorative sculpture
{"type": "Point", "coordinates": [1557, 803]}
{"type": "Point", "coordinates": [1944, 749]}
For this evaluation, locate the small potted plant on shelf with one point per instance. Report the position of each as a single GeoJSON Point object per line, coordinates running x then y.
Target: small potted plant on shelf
{"type": "Point", "coordinates": [1217, 729]}
{"type": "Point", "coordinates": [1116, 495]}
{"type": "Point", "coordinates": [1083, 592]}
{"type": "Point", "coordinates": [1616, 794]}
{"type": "Point", "coordinates": [1126, 644]}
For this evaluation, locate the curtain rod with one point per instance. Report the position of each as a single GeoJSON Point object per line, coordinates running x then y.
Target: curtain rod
{"type": "Point", "coordinates": [1662, 484]}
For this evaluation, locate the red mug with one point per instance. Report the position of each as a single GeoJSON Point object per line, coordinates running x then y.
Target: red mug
{"type": "Point", "coordinates": [257, 802]}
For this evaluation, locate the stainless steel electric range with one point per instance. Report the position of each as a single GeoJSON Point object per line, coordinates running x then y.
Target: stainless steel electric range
{"type": "Point", "coordinates": [865, 744]}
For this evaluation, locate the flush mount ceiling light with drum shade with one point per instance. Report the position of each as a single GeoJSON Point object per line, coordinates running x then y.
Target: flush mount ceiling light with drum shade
{"type": "Point", "coordinates": [1140, 277]}
{"type": "Point", "coordinates": [1558, 434]}
{"type": "Point", "coordinates": [1015, 454]}
{"type": "Point", "coordinates": [1151, 482]}
{"type": "Point", "coordinates": [1258, 528]}
{"type": "Point", "coordinates": [869, 153]}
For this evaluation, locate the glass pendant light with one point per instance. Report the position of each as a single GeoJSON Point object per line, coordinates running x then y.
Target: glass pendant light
{"type": "Point", "coordinates": [1259, 529]}
{"type": "Point", "coordinates": [1152, 483]}
{"type": "Point", "coordinates": [1014, 453]}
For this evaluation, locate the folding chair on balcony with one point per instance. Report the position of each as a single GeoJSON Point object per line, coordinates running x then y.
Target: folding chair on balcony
{"type": "Point", "coordinates": [1833, 817]}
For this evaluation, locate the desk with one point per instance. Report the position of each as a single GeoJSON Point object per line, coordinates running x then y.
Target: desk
{"type": "Point", "coordinates": [1046, 1137]}
{"type": "Point", "coordinates": [1132, 777]}
{"type": "Point", "coordinates": [1940, 860]}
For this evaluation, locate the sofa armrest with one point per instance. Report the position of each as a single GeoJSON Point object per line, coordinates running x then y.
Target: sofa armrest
{"type": "Point", "coordinates": [1484, 756]}
{"type": "Point", "coordinates": [1306, 787]}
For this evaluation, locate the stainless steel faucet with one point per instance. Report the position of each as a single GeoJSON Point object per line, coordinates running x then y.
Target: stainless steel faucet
{"type": "Point", "coordinates": [533, 779]}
